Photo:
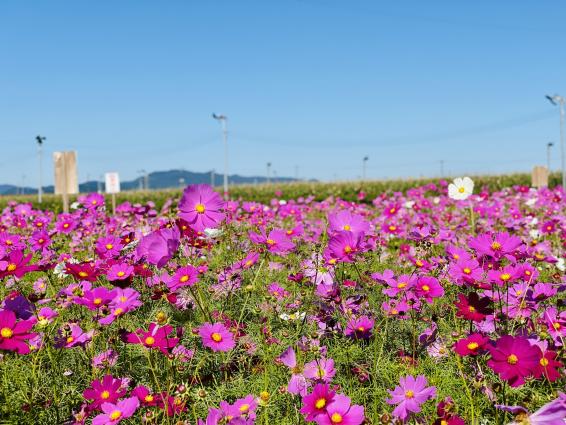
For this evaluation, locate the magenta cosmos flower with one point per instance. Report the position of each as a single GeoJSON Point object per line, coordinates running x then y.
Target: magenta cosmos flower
{"type": "Point", "coordinates": [317, 401]}
{"type": "Point", "coordinates": [428, 287]}
{"type": "Point", "coordinates": [276, 242]}
{"type": "Point", "coordinates": [155, 337]}
{"type": "Point", "coordinates": [13, 334]}
{"type": "Point", "coordinates": [184, 276]}
{"type": "Point", "coordinates": [409, 395]}
{"type": "Point", "coordinates": [109, 390]}
{"type": "Point", "coordinates": [114, 413]}
{"type": "Point", "coordinates": [473, 345]}
{"type": "Point", "coordinates": [160, 246]}
{"type": "Point", "coordinates": [201, 207]}
{"type": "Point", "coordinates": [348, 222]}
{"type": "Point", "coordinates": [514, 359]}
{"type": "Point", "coordinates": [320, 370]}
{"type": "Point", "coordinates": [216, 337]}
{"type": "Point", "coordinates": [360, 328]}
{"type": "Point", "coordinates": [341, 411]}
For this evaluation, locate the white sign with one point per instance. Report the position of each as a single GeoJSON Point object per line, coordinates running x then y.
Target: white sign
{"type": "Point", "coordinates": [112, 183]}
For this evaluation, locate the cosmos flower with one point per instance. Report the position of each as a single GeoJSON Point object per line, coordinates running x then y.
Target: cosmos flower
{"type": "Point", "coordinates": [514, 359]}
{"type": "Point", "coordinates": [276, 242]}
{"type": "Point", "coordinates": [317, 401]}
{"type": "Point", "coordinates": [14, 333]}
{"type": "Point", "coordinates": [201, 207]}
{"type": "Point", "coordinates": [155, 337]}
{"type": "Point", "coordinates": [114, 413]}
{"type": "Point", "coordinates": [107, 390]}
{"type": "Point", "coordinates": [320, 370]}
{"type": "Point", "coordinates": [298, 383]}
{"type": "Point", "coordinates": [345, 221]}
{"type": "Point", "coordinates": [473, 307]}
{"type": "Point", "coordinates": [409, 395]}
{"type": "Point", "coordinates": [341, 411]}
{"type": "Point", "coordinates": [216, 337]}
{"type": "Point", "coordinates": [461, 188]}
{"type": "Point", "coordinates": [360, 328]}
{"type": "Point", "coordinates": [158, 247]}
{"type": "Point", "coordinates": [429, 288]}
{"type": "Point", "coordinates": [472, 345]}
{"type": "Point", "coordinates": [184, 276]}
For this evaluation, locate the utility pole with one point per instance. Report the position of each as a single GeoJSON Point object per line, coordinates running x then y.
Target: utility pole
{"type": "Point", "coordinates": [268, 172]}
{"type": "Point", "coordinates": [559, 100]}
{"type": "Point", "coordinates": [142, 178]}
{"type": "Point", "coordinates": [40, 140]}
{"type": "Point", "coordinates": [548, 146]}
{"type": "Point", "coordinates": [222, 119]}
{"type": "Point", "coordinates": [364, 164]}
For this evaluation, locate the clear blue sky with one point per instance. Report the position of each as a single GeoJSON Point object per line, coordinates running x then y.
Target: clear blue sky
{"type": "Point", "coordinates": [316, 84]}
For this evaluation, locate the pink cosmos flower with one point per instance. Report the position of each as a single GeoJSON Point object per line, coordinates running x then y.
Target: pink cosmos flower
{"type": "Point", "coordinates": [341, 411]}
{"type": "Point", "coordinates": [360, 328]}
{"type": "Point", "coordinates": [514, 359]}
{"type": "Point", "coordinates": [320, 370]}
{"type": "Point", "coordinates": [409, 395]}
{"type": "Point", "coordinates": [466, 271]}
{"type": "Point", "coordinates": [108, 247]}
{"type": "Point", "coordinates": [276, 242]}
{"type": "Point", "coordinates": [428, 287]}
{"type": "Point", "coordinates": [124, 301]}
{"type": "Point", "coordinates": [74, 337]}
{"type": "Point", "coordinates": [496, 245]}
{"type": "Point", "coordinates": [343, 246]}
{"type": "Point", "coordinates": [119, 271]}
{"type": "Point", "coordinates": [96, 298]}
{"type": "Point", "coordinates": [184, 276]}
{"type": "Point", "coordinates": [155, 337]}
{"type": "Point", "coordinates": [201, 207]}
{"type": "Point", "coordinates": [114, 413]}
{"type": "Point", "coordinates": [216, 337]}
{"type": "Point", "coordinates": [298, 383]}
{"type": "Point", "coordinates": [473, 307]}
{"type": "Point", "coordinates": [317, 401]}
{"type": "Point", "coordinates": [472, 345]}
{"type": "Point", "coordinates": [158, 247]}
{"type": "Point", "coordinates": [108, 390]}
{"type": "Point", "coordinates": [345, 221]}
{"type": "Point", "coordinates": [13, 333]}
{"type": "Point", "coordinates": [552, 413]}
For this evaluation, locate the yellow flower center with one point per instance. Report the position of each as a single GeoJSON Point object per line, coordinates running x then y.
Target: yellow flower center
{"type": "Point", "coordinates": [200, 208]}
{"type": "Point", "coordinates": [472, 346]}
{"type": "Point", "coordinates": [426, 288]}
{"type": "Point", "coordinates": [556, 325]}
{"type": "Point", "coordinates": [11, 267]}
{"type": "Point", "coordinates": [118, 311]}
{"type": "Point", "coordinates": [505, 277]}
{"type": "Point", "coordinates": [467, 270]}
{"type": "Point", "coordinates": [401, 285]}
{"type": "Point", "coordinates": [264, 395]}
{"type": "Point", "coordinates": [361, 328]}
{"type": "Point", "coordinates": [249, 263]}
{"type": "Point", "coordinates": [270, 242]}
{"type": "Point", "coordinates": [123, 298]}
{"type": "Point", "coordinates": [115, 415]}
{"type": "Point", "coordinates": [461, 189]}
{"type": "Point", "coordinates": [97, 301]}
{"type": "Point", "coordinates": [512, 359]}
{"type": "Point", "coordinates": [104, 395]}
{"type": "Point", "coordinates": [496, 246]}
{"type": "Point", "coordinates": [244, 408]}
{"type": "Point", "coordinates": [347, 227]}
{"type": "Point", "coordinates": [456, 256]}
{"type": "Point", "coordinates": [347, 249]}
{"type": "Point", "coordinates": [83, 274]}
{"type": "Point", "coordinates": [320, 403]}
{"type": "Point", "coordinates": [336, 418]}
{"type": "Point", "coordinates": [149, 340]}
{"type": "Point", "coordinates": [109, 246]}
{"type": "Point", "coordinates": [148, 398]}
{"type": "Point", "coordinates": [419, 263]}
{"type": "Point", "coordinates": [184, 278]}
{"type": "Point", "coordinates": [544, 362]}
{"type": "Point", "coordinates": [392, 228]}
{"type": "Point", "coordinates": [392, 210]}
{"type": "Point", "coordinates": [216, 337]}
{"type": "Point", "coordinates": [471, 309]}
{"type": "Point", "coordinates": [70, 339]}
{"type": "Point", "coordinates": [121, 273]}
{"type": "Point", "coordinates": [409, 394]}
{"type": "Point", "coordinates": [6, 332]}
{"type": "Point", "coordinates": [321, 372]}
{"type": "Point", "coordinates": [66, 225]}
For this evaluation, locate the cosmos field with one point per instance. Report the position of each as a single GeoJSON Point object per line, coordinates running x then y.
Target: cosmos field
{"type": "Point", "coordinates": [443, 304]}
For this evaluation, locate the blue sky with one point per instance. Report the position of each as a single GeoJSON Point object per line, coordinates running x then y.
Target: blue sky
{"type": "Point", "coordinates": [312, 84]}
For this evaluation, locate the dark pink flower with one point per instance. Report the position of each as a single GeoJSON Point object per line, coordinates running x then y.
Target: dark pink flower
{"type": "Point", "coordinates": [201, 207]}
{"type": "Point", "coordinates": [13, 333]}
{"type": "Point", "coordinates": [317, 401]}
{"type": "Point", "coordinates": [216, 337]}
{"type": "Point", "coordinates": [472, 345]}
{"type": "Point", "coordinates": [108, 390]}
{"type": "Point", "coordinates": [341, 411]}
{"type": "Point", "coordinates": [114, 413]}
{"type": "Point", "coordinates": [155, 337]}
{"type": "Point", "coordinates": [514, 359]}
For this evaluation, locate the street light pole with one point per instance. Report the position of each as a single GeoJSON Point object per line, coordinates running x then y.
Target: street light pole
{"type": "Point", "coordinates": [364, 162]}
{"type": "Point", "coordinates": [268, 172]}
{"type": "Point", "coordinates": [559, 100]}
{"type": "Point", "coordinates": [40, 141]}
{"type": "Point", "coordinates": [548, 146]}
{"type": "Point", "coordinates": [222, 119]}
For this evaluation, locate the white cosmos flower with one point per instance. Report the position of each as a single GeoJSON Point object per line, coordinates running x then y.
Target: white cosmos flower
{"type": "Point", "coordinates": [212, 233]}
{"type": "Point", "coordinates": [461, 188]}
{"type": "Point", "coordinates": [561, 264]}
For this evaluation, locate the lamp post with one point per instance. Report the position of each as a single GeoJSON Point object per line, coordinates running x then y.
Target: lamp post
{"type": "Point", "coordinates": [268, 172]}
{"type": "Point", "coordinates": [222, 119]}
{"type": "Point", "coordinates": [559, 101]}
{"type": "Point", "coordinates": [40, 140]}
{"type": "Point", "coordinates": [548, 146]}
{"type": "Point", "coordinates": [364, 164]}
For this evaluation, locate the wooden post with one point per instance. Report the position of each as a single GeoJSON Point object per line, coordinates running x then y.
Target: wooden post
{"type": "Point", "coordinates": [113, 204]}
{"type": "Point", "coordinates": [539, 177]}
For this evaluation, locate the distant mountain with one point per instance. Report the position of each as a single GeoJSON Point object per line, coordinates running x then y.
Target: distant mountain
{"type": "Point", "coordinates": [156, 180]}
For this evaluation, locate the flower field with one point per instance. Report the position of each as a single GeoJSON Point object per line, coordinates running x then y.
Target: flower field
{"type": "Point", "coordinates": [439, 304]}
